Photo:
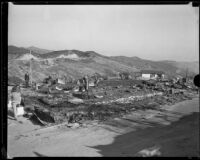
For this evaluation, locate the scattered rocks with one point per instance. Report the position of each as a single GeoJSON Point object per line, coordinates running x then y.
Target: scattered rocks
{"type": "Point", "coordinates": [97, 96]}
{"type": "Point", "coordinates": [73, 125]}
{"type": "Point", "coordinates": [76, 101]}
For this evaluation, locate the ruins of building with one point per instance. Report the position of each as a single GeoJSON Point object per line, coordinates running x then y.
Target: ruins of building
{"type": "Point", "coordinates": [125, 75]}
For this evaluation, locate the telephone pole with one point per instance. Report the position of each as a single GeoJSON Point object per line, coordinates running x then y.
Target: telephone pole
{"type": "Point", "coordinates": [186, 74]}
{"type": "Point", "coordinates": [30, 70]}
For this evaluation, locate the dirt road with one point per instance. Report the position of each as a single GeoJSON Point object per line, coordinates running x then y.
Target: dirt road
{"type": "Point", "coordinates": [118, 137]}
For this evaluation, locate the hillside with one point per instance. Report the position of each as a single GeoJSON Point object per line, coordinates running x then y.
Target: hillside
{"type": "Point", "coordinates": [74, 63]}
{"type": "Point", "coordinates": [70, 63]}
{"type": "Point", "coordinates": [81, 54]}
{"type": "Point", "coordinates": [190, 66]}
{"type": "Point", "coordinates": [15, 52]}
{"type": "Point", "coordinates": [39, 50]}
{"type": "Point", "coordinates": [169, 67]}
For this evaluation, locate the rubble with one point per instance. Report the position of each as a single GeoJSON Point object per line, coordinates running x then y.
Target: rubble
{"type": "Point", "coordinates": [111, 98]}
{"type": "Point", "coordinates": [97, 96]}
{"type": "Point", "coordinates": [150, 152]}
{"type": "Point", "coordinates": [130, 99]}
{"type": "Point", "coordinates": [73, 125]}
{"type": "Point", "coordinates": [76, 101]}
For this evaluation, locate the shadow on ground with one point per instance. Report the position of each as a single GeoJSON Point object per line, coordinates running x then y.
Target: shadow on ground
{"type": "Point", "coordinates": [32, 119]}
{"type": "Point", "coordinates": [180, 139]}
{"type": "Point", "coordinates": [10, 114]}
{"type": "Point", "coordinates": [35, 120]}
{"type": "Point", "coordinates": [140, 122]}
{"type": "Point", "coordinates": [39, 155]}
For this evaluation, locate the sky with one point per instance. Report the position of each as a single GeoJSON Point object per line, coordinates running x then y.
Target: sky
{"type": "Point", "coordinates": [154, 32]}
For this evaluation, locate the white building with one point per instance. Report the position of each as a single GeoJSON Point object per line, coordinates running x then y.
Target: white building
{"type": "Point", "coordinates": [152, 74]}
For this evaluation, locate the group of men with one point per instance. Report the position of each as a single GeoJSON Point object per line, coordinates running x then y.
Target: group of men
{"type": "Point", "coordinates": [84, 82]}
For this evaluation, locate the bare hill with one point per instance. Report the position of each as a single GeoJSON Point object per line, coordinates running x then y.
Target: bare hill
{"type": "Point", "coordinates": [15, 52]}
{"type": "Point", "coordinates": [169, 67]}
{"type": "Point", "coordinates": [74, 63]}
{"type": "Point", "coordinates": [39, 50]}
{"type": "Point", "coordinates": [190, 66]}
{"type": "Point", "coordinates": [71, 63]}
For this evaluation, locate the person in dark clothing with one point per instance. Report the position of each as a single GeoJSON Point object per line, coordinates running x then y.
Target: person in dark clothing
{"type": "Point", "coordinates": [80, 83]}
{"type": "Point", "coordinates": [50, 81]}
{"type": "Point", "coordinates": [26, 77]}
{"type": "Point", "coordinates": [86, 80]}
{"type": "Point", "coordinates": [96, 80]}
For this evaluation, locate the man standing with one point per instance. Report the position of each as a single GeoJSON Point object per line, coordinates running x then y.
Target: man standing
{"type": "Point", "coordinates": [26, 77]}
{"type": "Point", "coordinates": [96, 80]}
{"type": "Point", "coordinates": [80, 83]}
{"type": "Point", "coordinates": [86, 82]}
{"type": "Point", "coordinates": [49, 80]}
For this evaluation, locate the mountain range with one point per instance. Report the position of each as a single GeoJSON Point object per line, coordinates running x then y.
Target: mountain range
{"type": "Point", "coordinates": [75, 64]}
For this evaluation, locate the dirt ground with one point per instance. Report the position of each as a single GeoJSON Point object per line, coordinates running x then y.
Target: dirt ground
{"type": "Point", "coordinates": [175, 129]}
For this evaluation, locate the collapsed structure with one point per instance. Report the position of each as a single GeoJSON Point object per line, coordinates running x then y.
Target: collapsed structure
{"type": "Point", "coordinates": [125, 75]}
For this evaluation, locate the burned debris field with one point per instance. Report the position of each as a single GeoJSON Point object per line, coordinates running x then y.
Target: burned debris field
{"type": "Point", "coordinates": [111, 98]}
{"type": "Point", "coordinates": [102, 80]}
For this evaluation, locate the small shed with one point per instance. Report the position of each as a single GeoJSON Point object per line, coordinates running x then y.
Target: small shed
{"type": "Point", "coordinates": [60, 81]}
{"type": "Point", "coordinates": [152, 74]}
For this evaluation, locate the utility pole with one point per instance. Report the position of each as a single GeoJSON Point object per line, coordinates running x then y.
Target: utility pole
{"type": "Point", "coordinates": [186, 74]}
{"type": "Point", "coordinates": [30, 69]}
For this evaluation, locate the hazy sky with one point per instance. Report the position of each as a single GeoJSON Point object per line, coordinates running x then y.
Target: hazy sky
{"type": "Point", "coordinates": [156, 32]}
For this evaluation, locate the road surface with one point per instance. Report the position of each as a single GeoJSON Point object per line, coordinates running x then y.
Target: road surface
{"type": "Point", "coordinates": [175, 131]}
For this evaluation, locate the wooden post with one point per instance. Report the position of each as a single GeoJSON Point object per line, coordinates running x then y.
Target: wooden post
{"type": "Point", "coordinates": [30, 70]}
{"type": "Point", "coordinates": [186, 75]}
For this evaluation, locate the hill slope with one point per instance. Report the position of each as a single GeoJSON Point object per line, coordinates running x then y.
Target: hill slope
{"type": "Point", "coordinates": [169, 67]}
{"type": "Point", "coordinates": [15, 52]}
{"type": "Point", "coordinates": [39, 50]}
{"type": "Point", "coordinates": [74, 63]}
